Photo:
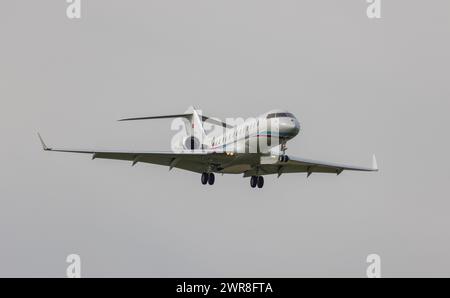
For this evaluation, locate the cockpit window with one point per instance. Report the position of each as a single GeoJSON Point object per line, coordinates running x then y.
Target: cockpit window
{"type": "Point", "coordinates": [285, 115]}
{"type": "Point", "coordinates": [279, 115]}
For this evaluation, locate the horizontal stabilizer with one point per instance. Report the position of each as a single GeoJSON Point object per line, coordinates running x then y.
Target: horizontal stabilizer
{"type": "Point", "coordinates": [158, 117]}
{"type": "Point", "coordinates": [187, 116]}
{"type": "Point", "coordinates": [216, 122]}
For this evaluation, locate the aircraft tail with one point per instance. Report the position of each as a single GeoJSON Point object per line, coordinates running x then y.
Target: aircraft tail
{"type": "Point", "coordinates": [196, 122]}
{"type": "Point", "coordinates": [194, 117]}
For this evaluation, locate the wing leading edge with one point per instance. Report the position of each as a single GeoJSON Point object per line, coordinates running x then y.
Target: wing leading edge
{"type": "Point", "coordinates": [309, 166]}
{"type": "Point", "coordinates": [195, 161]}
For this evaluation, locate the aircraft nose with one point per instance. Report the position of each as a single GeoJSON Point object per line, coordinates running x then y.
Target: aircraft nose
{"type": "Point", "coordinates": [296, 129]}
{"type": "Point", "coordinates": [289, 128]}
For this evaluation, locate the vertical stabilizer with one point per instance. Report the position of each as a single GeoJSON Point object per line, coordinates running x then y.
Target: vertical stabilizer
{"type": "Point", "coordinates": [196, 122]}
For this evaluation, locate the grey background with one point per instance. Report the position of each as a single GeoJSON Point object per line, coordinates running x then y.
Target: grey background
{"type": "Point", "coordinates": [358, 86]}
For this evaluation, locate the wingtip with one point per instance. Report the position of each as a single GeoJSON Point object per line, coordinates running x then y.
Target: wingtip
{"type": "Point", "coordinates": [374, 163]}
{"type": "Point", "coordinates": [44, 146]}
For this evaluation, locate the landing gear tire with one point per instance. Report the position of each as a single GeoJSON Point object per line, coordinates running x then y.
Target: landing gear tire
{"type": "Point", "coordinates": [260, 181]}
{"type": "Point", "coordinates": [204, 178]}
{"type": "Point", "coordinates": [253, 181]}
{"type": "Point", "coordinates": [211, 179]}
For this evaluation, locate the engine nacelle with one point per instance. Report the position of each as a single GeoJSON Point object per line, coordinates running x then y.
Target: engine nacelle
{"type": "Point", "coordinates": [191, 143]}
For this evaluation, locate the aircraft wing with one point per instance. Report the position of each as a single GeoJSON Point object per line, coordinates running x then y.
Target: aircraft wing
{"type": "Point", "coordinates": [202, 160]}
{"type": "Point", "coordinates": [309, 166]}
{"type": "Point", "coordinates": [192, 160]}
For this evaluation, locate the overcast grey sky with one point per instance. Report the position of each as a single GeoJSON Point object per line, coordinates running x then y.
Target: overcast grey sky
{"type": "Point", "coordinates": [358, 86]}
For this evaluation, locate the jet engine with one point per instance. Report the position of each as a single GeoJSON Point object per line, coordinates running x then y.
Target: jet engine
{"type": "Point", "coordinates": [191, 143]}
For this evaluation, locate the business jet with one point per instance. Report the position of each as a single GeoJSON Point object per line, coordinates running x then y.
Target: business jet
{"type": "Point", "coordinates": [255, 148]}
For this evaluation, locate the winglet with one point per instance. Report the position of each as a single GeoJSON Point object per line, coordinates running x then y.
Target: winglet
{"type": "Point", "coordinates": [374, 163]}
{"type": "Point", "coordinates": [43, 144]}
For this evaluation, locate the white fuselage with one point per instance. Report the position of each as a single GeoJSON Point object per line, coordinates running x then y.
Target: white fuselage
{"type": "Point", "coordinates": [257, 135]}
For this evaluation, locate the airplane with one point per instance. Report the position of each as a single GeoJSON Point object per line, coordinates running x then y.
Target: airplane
{"type": "Point", "coordinates": [254, 148]}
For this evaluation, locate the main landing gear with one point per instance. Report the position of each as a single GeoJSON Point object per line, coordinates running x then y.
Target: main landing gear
{"type": "Point", "coordinates": [257, 181]}
{"type": "Point", "coordinates": [208, 178]}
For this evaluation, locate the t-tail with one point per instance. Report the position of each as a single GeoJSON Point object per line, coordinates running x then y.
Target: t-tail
{"type": "Point", "coordinates": [194, 130]}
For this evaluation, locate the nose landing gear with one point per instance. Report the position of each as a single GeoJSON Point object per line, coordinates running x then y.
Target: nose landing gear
{"type": "Point", "coordinates": [283, 158]}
